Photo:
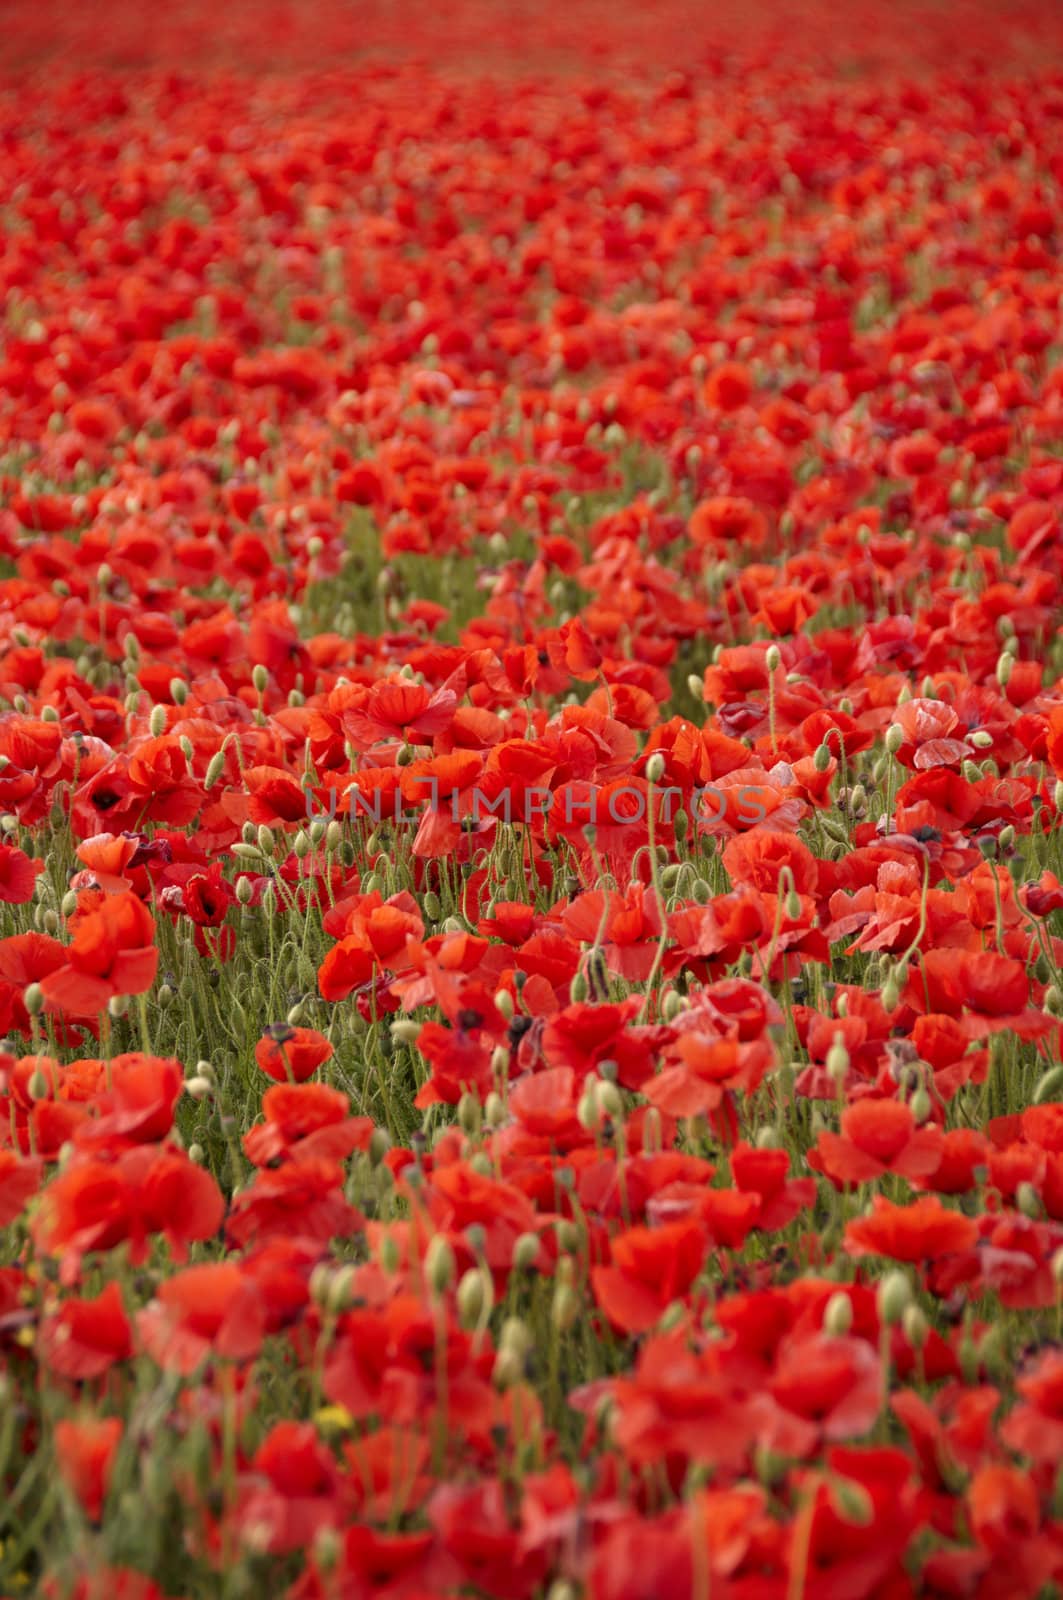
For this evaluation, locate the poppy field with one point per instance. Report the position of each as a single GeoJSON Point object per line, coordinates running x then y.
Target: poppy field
{"type": "Point", "coordinates": [531, 801]}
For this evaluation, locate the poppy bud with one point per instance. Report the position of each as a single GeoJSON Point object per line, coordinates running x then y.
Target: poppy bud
{"type": "Point", "coordinates": [561, 1589]}
{"type": "Point", "coordinates": [920, 1105]}
{"type": "Point", "coordinates": [500, 1063]}
{"type": "Point", "coordinates": [525, 1251]}
{"type": "Point", "coordinates": [405, 1031]}
{"type": "Point", "coordinates": [215, 768]}
{"type": "Point", "coordinates": [494, 1110]}
{"type": "Point", "coordinates": [894, 737]}
{"type": "Point", "coordinates": [515, 1336]}
{"type": "Point", "coordinates": [773, 658]}
{"type": "Point", "coordinates": [1057, 1267]}
{"type": "Point", "coordinates": [655, 767]}
{"type": "Point", "coordinates": [390, 1254]}
{"type": "Point", "coordinates": [822, 758]}
{"type": "Point", "coordinates": [916, 1327]}
{"type": "Point", "coordinates": [197, 1154]}
{"type": "Point", "coordinates": [770, 1467]}
{"type": "Point", "coordinates": [480, 1163]}
{"type": "Point", "coordinates": [198, 1088]}
{"type": "Point", "coordinates": [470, 1115]}
{"type": "Point", "coordinates": [379, 1145]}
{"type": "Point", "coordinates": [327, 1551]}
{"type": "Point", "coordinates": [609, 1100]}
{"type": "Point", "coordinates": [39, 1086]}
{"type": "Point", "coordinates": [33, 999]}
{"type": "Point", "coordinates": [973, 774]}
{"type": "Point", "coordinates": [793, 905]}
{"type": "Point", "coordinates": [671, 1004]}
{"type": "Point", "coordinates": [852, 1501]}
{"type": "Point", "coordinates": [894, 1296]}
{"type": "Point", "coordinates": [695, 685]}
{"type": "Point", "coordinates": [504, 1003]}
{"type": "Point", "coordinates": [340, 1290]}
{"type": "Point", "coordinates": [333, 835]}
{"type": "Point", "coordinates": [1057, 795]}
{"type": "Point", "coordinates": [701, 892]}
{"type": "Point", "coordinates": [980, 739]}
{"type": "Point", "coordinates": [118, 1005]}
{"type": "Point", "coordinates": [565, 1307]}
{"type": "Point", "coordinates": [472, 1296]}
{"type": "Point", "coordinates": [260, 678]}
{"type": "Point", "coordinates": [433, 910]}
{"type": "Point", "coordinates": [838, 1059]}
{"type": "Point", "coordinates": [1028, 1201]}
{"type": "Point", "coordinates": [318, 1284]}
{"type": "Point", "coordinates": [266, 840]}
{"type": "Point", "coordinates": [1050, 1086]}
{"type": "Point", "coordinates": [577, 989]}
{"type": "Point", "coordinates": [1006, 837]}
{"type": "Point", "coordinates": [507, 1370]}
{"type": "Point", "coordinates": [301, 845]}
{"type": "Point", "coordinates": [838, 1314]}
{"type": "Point", "coordinates": [587, 1111]}
{"type": "Point", "coordinates": [891, 994]}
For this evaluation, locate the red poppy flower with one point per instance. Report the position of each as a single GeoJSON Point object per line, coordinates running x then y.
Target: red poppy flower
{"type": "Point", "coordinates": [85, 1452]}
{"type": "Point", "coordinates": [84, 1338]}
{"type": "Point", "coordinates": [878, 1136]}
{"type": "Point", "coordinates": [291, 1055]}
{"type": "Point", "coordinates": [650, 1268]}
{"type": "Point", "coordinates": [924, 1230]}
{"type": "Point", "coordinates": [112, 953]}
{"type": "Point", "coordinates": [209, 1311]}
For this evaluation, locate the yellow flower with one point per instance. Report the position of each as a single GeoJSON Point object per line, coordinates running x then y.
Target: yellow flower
{"type": "Point", "coordinates": [334, 1419]}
